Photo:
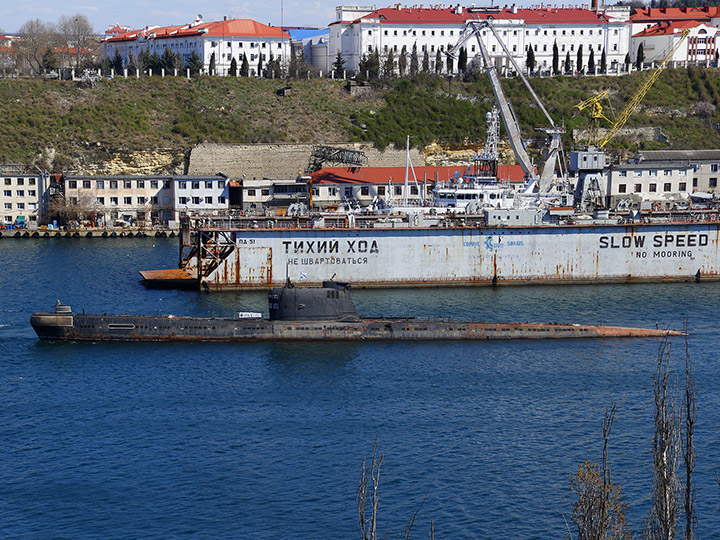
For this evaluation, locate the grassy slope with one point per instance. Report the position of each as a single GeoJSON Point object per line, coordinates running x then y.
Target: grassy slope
{"type": "Point", "coordinates": [126, 115]}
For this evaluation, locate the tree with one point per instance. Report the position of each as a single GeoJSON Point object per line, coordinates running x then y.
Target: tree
{"type": "Point", "coordinates": [414, 62]}
{"type": "Point", "coordinates": [627, 62]}
{"type": "Point", "coordinates": [591, 61]}
{"type": "Point", "coordinates": [579, 61]}
{"type": "Point", "coordinates": [77, 37]}
{"type": "Point", "coordinates": [449, 62]}
{"type": "Point", "coordinates": [640, 57]}
{"type": "Point", "coordinates": [689, 451]}
{"type": "Point", "coordinates": [603, 62]}
{"type": "Point", "coordinates": [194, 63]}
{"type": "Point", "coordinates": [402, 61]}
{"type": "Point", "coordinates": [49, 60]}
{"type": "Point", "coordinates": [662, 519]}
{"type": "Point", "coordinates": [35, 38]}
{"type": "Point", "coordinates": [132, 65]}
{"type": "Point", "coordinates": [374, 64]}
{"type": "Point", "coordinates": [369, 478]}
{"type": "Point", "coordinates": [272, 70]}
{"type": "Point", "coordinates": [244, 66]}
{"type": "Point", "coordinates": [568, 67]}
{"type": "Point", "coordinates": [599, 509]}
{"type": "Point", "coordinates": [438, 62]}
{"type": "Point", "coordinates": [426, 61]}
{"type": "Point", "coordinates": [339, 66]}
{"type": "Point", "coordinates": [530, 59]}
{"type": "Point", "coordinates": [211, 67]}
{"type": "Point", "coordinates": [233, 67]}
{"type": "Point", "coordinates": [168, 61]}
{"type": "Point", "coordinates": [117, 62]}
{"type": "Point", "coordinates": [389, 65]}
{"type": "Point", "coordinates": [556, 59]}
{"type": "Point", "coordinates": [462, 59]}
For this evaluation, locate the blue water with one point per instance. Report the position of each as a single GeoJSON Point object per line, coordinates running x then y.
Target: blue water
{"type": "Point", "coordinates": [266, 441]}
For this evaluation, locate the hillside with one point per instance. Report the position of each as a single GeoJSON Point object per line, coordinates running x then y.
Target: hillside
{"type": "Point", "coordinates": [64, 125]}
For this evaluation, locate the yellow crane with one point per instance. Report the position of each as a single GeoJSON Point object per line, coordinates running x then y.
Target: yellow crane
{"type": "Point", "coordinates": [596, 110]}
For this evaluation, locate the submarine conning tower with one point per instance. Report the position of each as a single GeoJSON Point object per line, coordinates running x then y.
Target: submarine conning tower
{"type": "Point", "coordinates": [331, 302]}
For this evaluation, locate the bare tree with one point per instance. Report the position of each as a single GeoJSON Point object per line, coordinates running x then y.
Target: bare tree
{"type": "Point", "coordinates": [369, 475]}
{"type": "Point", "coordinates": [599, 510]}
{"type": "Point", "coordinates": [77, 36]}
{"type": "Point", "coordinates": [65, 209]}
{"type": "Point", "coordinates": [662, 519]}
{"type": "Point", "coordinates": [35, 38]}
{"type": "Point", "coordinates": [689, 450]}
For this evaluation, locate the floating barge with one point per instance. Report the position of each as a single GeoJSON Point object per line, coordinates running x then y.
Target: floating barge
{"type": "Point", "coordinates": [373, 251]}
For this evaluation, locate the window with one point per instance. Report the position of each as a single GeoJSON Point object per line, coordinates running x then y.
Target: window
{"type": "Point", "coordinates": [101, 184]}
{"type": "Point", "coordinates": [31, 182]}
{"type": "Point", "coordinates": [653, 188]}
{"type": "Point", "coordinates": [381, 190]}
{"type": "Point", "coordinates": [622, 188]}
{"type": "Point", "coordinates": [20, 182]}
{"type": "Point", "coordinates": [196, 200]}
{"type": "Point", "coordinates": [365, 191]}
{"type": "Point", "coordinates": [668, 172]}
{"type": "Point", "coordinates": [348, 192]}
{"type": "Point", "coordinates": [153, 184]}
{"type": "Point", "coordinates": [72, 184]}
{"type": "Point", "coordinates": [8, 206]}
{"type": "Point", "coordinates": [7, 193]}
{"type": "Point", "coordinates": [398, 190]}
{"type": "Point", "coordinates": [153, 200]}
{"type": "Point", "coordinates": [141, 200]}
{"type": "Point", "coordinates": [208, 200]}
{"type": "Point", "coordinates": [638, 188]}
{"type": "Point", "coordinates": [265, 192]}
{"type": "Point", "coordinates": [653, 173]}
{"type": "Point", "coordinates": [113, 201]}
{"type": "Point", "coordinates": [101, 200]}
{"type": "Point", "coordinates": [332, 192]}
{"type": "Point", "coordinates": [413, 190]}
{"type": "Point", "coordinates": [714, 167]}
{"type": "Point", "coordinates": [21, 206]}
{"type": "Point", "coordinates": [31, 193]}
{"type": "Point", "coordinates": [713, 182]}
{"type": "Point", "coordinates": [196, 185]}
{"type": "Point", "coordinates": [208, 185]}
{"type": "Point", "coordinates": [86, 184]}
{"type": "Point", "coordinates": [127, 184]}
{"type": "Point", "coordinates": [251, 192]}
{"type": "Point", "coordinates": [127, 200]}
{"type": "Point", "coordinates": [682, 186]}
{"type": "Point", "coordinates": [221, 200]}
{"type": "Point", "coordinates": [20, 193]}
{"type": "Point", "coordinates": [637, 174]}
{"type": "Point", "coordinates": [182, 185]}
{"type": "Point", "coordinates": [166, 184]}
{"type": "Point", "coordinates": [695, 182]}
{"type": "Point", "coordinates": [141, 183]}
{"type": "Point", "coordinates": [113, 184]}
{"type": "Point", "coordinates": [8, 182]}
{"type": "Point", "coordinates": [182, 200]}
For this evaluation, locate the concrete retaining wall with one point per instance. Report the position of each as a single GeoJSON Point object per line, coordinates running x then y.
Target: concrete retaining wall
{"type": "Point", "coordinates": [279, 161]}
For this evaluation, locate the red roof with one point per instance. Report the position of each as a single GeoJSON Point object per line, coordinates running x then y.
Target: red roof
{"type": "Point", "coordinates": [549, 15]}
{"type": "Point", "coordinates": [704, 13]}
{"type": "Point", "coordinates": [396, 175]}
{"type": "Point", "coordinates": [667, 28]}
{"type": "Point", "coordinates": [230, 28]}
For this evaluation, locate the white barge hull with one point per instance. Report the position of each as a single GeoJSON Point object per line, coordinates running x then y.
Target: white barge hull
{"type": "Point", "coordinates": [371, 257]}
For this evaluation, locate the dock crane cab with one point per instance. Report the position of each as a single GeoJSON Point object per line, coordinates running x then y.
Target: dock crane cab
{"type": "Point", "coordinates": [590, 162]}
{"type": "Point", "coordinates": [542, 183]}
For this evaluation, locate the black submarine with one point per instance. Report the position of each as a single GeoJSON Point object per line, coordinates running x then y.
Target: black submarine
{"type": "Point", "coordinates": [324, 313]}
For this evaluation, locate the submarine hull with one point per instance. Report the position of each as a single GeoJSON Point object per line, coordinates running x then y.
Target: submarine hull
{"type": "Point", "coordinates": [89, 327]}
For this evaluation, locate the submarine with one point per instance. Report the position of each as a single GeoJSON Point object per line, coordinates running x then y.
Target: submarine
{"type": "Point", "coordinates": [324, 313]}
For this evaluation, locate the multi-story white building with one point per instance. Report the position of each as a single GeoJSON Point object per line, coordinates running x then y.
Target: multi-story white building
{"type": "Point", "coordinates": [705, 165]}
{"type": "Point", "coordinates": [222, 40]}
{"type": "Point", "coordinates": [659, 182]}
{"type": "Point", "coordinates": [700, 46]}
{"type": "Point", "coordinates": [21, 198]}
{"type": "Point", "coordinates": [146, 200]}
{"type": "Point", "coordinates": [357, 32]}
{"type": "Point", "coordinates": [646, 17]}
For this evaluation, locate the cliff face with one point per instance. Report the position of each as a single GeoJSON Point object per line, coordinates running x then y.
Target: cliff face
{"type": "Point", "coordinates": [159, 161]}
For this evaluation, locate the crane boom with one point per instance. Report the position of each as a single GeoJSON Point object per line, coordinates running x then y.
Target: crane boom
{"type": "Point", "coordinates": [625, 114]}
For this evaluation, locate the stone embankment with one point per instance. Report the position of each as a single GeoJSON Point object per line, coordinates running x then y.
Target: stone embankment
{"type": "Point", "coordinates": [129, 232]}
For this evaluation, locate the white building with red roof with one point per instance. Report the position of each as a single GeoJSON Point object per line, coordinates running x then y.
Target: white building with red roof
{"type": "Point", "coordinates": [357, 32]}
{"type": "Point", "coordinates": [224, 40]}
{"type": "Point", "coordinates": [643, 18]}
{"type": "Point", "coordinates": [700, 46]}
